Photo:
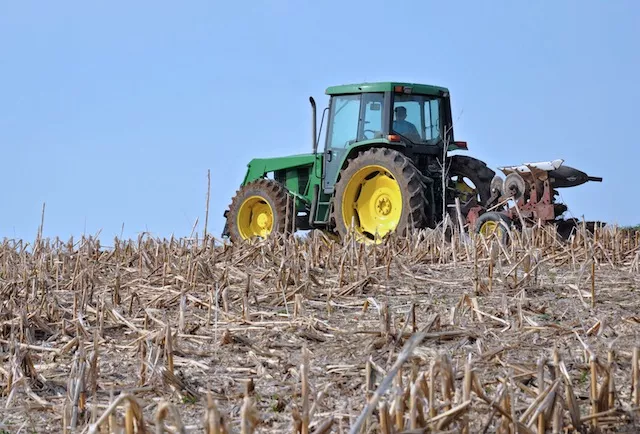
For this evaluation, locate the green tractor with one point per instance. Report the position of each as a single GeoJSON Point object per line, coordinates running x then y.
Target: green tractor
{"type": "Point", "coordinates": [381, 170]}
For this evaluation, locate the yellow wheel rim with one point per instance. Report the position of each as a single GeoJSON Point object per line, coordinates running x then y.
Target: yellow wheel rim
{"type": "Point", "coordinates": [489, 227]}
{"type": "Point", "coordinates": [465, 190]}
{"type": "Point", "coordinates": [255, 218]}
{"type": "Point", "coordinates": [373, 202]}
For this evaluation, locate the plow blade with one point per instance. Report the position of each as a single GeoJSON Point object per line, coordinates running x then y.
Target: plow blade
{"type": "Point", "coordinates": [566, 176]}
{"type": "Point", "coordinates": [559, 176]}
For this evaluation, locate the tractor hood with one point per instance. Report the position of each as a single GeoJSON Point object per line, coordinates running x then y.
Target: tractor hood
{"type": "Point", "coordinates": [259, 167]}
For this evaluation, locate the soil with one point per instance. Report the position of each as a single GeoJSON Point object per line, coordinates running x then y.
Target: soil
{"type": "Point", "coordinates": [232, 334]}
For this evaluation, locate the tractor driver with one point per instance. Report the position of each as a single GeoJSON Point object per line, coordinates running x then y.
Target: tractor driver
{"type": "Point", "coordinates": [404, 127]}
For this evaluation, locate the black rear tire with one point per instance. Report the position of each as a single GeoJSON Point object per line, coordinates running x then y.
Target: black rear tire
{"type": "Point", "coordinates": [476, 171]}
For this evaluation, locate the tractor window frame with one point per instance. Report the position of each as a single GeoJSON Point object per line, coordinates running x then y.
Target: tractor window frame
{"type": "Point", "coordinates": [385, 100]}
{"type": "Point", "coordinates": [329, 143]}
{"type": "Point", "coordinates": [368, 98]}
{"type": "Point", "coordinates": [424, 102]}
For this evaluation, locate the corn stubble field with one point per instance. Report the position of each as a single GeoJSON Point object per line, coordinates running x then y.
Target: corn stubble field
{"type": "Point", "coordinates": [311, 336]}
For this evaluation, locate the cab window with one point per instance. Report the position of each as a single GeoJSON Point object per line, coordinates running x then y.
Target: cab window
{"type": "Point", "coordinates": [417, 117]}
{"type": "Point", "coordinates": [345, 114]}
{"type": "Point", "coordinates": [373, 114]}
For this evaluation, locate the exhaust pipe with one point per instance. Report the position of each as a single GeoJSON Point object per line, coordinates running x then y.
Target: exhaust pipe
{"type": "Point", "coordinates": [313, 125]}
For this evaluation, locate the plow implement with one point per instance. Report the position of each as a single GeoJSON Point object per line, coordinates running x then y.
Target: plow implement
{"type": "Point", "coordinates": [527, 195]}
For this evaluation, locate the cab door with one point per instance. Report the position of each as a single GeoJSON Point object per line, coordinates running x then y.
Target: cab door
{"type": "Point", "coordinates": [344, 117]}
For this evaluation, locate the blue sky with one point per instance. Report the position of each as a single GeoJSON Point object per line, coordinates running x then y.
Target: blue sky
{"type": "Point", "coordinates": [112, 112]}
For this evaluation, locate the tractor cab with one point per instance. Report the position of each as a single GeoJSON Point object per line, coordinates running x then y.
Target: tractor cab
{"type": "Point", "coordinates": [375, 113]}
{"type": "Point", "coordinates": [413, 117]}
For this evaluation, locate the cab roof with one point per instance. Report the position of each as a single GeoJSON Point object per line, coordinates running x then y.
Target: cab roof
{"type": "Point", "coordinates": [385, 86]}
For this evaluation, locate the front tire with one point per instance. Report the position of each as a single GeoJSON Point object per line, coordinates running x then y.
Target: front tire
{"type": "Point", "coordinates": [381, 192]}
{"type": "Point", "coordinates": [259, 209]}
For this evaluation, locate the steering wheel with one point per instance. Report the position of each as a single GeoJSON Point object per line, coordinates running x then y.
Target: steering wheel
{"type": "Point", "coordinates": [371, 131]}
